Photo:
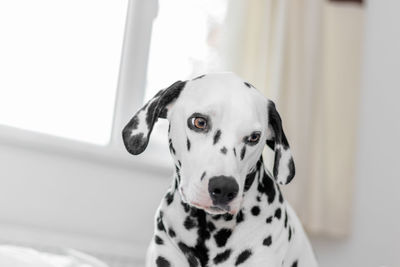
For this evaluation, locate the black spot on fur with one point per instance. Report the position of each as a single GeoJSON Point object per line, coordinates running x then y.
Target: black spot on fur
{"type": "Point", "coordinates": [162, 262]}
{"type": "Point", "coordinates": [217, 136]}
{"type": "Point", "coordinates": [169, 95]}
{"type": "Point", "coordinates": [221, 257]}
{"type": "Point", "coordinates": [185, 206]}
{"type": "Point", "coordinates": [151, 111]}
{"type": "Point", "coordinates": [286, 218]}
{"type": "Point", "coordinates": [203, 234]}
{"type": "Point", "coordinates": [210, 227]}
{"type": "Point", "coordinates": [182, 246]}
{"type": "Point", "coordinates": [258, 198]}
{"type": "Point", "coordinates": [169, 197]}
{"type": "Point", "coordinates": [189, 223]}
{"type": "Point", "coordinates": [239, 217]}
{"type": "Point", "coordinates": [158, 240]}
{"type": "Point", "coordinates": [179, 163]}
{"type": "Point", "coordinates": [171, 232]}
{"type": "Point", "coordinates": [134, 122]}
{"type": "Point", "coordinates": [243, 257]}
{"type": "Point", "coordinates": [199, 77]}
{"type": "Point", "coordinates": [228, 217]}
{"type": "Point", "coordinates": [189, 254]}
{"type": "Point", "coordinates": [290, 233]}
{"type": "Point", "coordinates": [199, 252]}
{"type": "Point", "coordinates": [202, 176]}
{"type": "Point", "coordinates": [160, 224]}
{"type": "Point", "coordinates": [243, 153]}
{"type": "Point", "coordinates": [278, 156]}
{"type": "Point", "coordinates": [267, 241]}
{"type": "Point", "coordinates": [216, 217]}
{"type": "Point", "coordinates": [224, 150]}
{"type": "Point", "coordinates": [255, 210]}
{"type": "Point", "coordinates": [280, 194]}
{"type": "Point", "coordinates": [269, 219]}
{"type": "Point", "coordinates": [234, 151]}
{"type": "Point", "coordinates": [176, 182]}
{"type": "Point", "coordinates": [249, 180]}
{"type": "Point", "coordinates": [134, 144]}
{"type": "Point", "coordinates": [221, 237]}
{"type": "Point", "coordinates": [188, 144]}
{"type": "Point", "coordinates": [178, 174]}
{"type": "Point", "coordinates": [157, 108]}
{"type": "Point", "coordinates": [271, 144]}
{"type": "Point", "coordinates": [294, 264]}
{"type": "Point", "coordinates": [267, 187]}
{"type": "Point", "coordinates": [278, 213]}
{"type": "Point", "coordinates": [291, 171]}
{"type": "Point", "coordinates": [194, 211]}
{"type": "Point", "coordinates": [275, 123]}
{"type": "Point", "coordinates": [163, 113]}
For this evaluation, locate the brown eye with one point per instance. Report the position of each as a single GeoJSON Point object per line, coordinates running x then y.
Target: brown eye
{"type": "Point", "coordinates": [254, 137]}
{"type": "Point", "coordinates": [200, 123]}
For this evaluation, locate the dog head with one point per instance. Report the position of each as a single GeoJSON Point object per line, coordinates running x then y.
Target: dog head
{"type": "Point", "coordinates": [219, 125]}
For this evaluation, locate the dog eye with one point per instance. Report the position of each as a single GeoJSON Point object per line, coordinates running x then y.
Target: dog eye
{"type": "Point", "coordinates": [199, 123]}
{"type": "Point", "coordinates": [254, 137]}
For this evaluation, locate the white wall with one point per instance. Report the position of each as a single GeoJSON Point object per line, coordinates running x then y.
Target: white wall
{"type": "Point", "coordinates": [375, 240]}
{"type": "Point", "coordinates": [67, 197]}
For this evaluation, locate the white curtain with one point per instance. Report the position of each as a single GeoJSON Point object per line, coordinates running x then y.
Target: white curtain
{"type": "Point", "coordinates": [305, 55]}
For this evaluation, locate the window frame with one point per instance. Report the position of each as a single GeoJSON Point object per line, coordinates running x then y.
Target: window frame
{"type": "Point", "coordinates": [129, 97]}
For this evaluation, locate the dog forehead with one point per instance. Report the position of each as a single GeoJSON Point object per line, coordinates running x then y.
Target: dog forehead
{"type": "Point", "coordinates": [222, 92]}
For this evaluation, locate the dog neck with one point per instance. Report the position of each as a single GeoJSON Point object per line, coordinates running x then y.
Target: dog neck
{"type": "Point", "coordinates": [177, 218]}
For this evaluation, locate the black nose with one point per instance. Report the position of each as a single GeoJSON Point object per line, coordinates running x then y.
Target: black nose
{"type": "Point", "coordinates": [222, 189]}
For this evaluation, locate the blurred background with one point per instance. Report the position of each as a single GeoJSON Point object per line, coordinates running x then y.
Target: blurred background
{"type": "Point", "coordinates": [72, 73]}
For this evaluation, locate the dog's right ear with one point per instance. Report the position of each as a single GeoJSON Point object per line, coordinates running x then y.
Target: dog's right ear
{"type": "Point", "coordinates": [137, 132]}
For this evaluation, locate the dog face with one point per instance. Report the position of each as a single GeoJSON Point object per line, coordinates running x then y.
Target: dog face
{"type": "Point", "coordinates": [219, 125]}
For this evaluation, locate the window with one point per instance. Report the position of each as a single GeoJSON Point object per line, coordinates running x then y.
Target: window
{"type": "Point", "coordinates": [59, 66]}
{"type": "Point", "coordinates": [185, 36]}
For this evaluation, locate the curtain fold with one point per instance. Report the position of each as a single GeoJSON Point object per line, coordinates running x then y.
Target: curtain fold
{"type": "Point", "coordinates": [305, 55]}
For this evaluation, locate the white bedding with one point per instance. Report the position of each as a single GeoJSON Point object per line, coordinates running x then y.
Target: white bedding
{"type": "Point", "coordinates": [15, 256]}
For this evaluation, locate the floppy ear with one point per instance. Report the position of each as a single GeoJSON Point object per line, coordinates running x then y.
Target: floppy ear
{"type": "Point", "coordinates": [137, 132]}
{"type": "Point", "coordinates": [284, 169]}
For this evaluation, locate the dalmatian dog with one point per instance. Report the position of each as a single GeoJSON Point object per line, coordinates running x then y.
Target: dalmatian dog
{"type": "Point", "coordinates": [223, 208]}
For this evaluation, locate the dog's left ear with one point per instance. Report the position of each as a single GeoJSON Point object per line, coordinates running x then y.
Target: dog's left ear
{"type": "Point", "coordinates": [284, 169]}
{"type": "Point", "coordinates": [137, 132]}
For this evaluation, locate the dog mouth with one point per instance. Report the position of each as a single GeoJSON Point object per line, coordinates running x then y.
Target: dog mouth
{"type": "Point", "coordinates": [225, 208]}
{"type": "Point", "coordinates": [213, 209]}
